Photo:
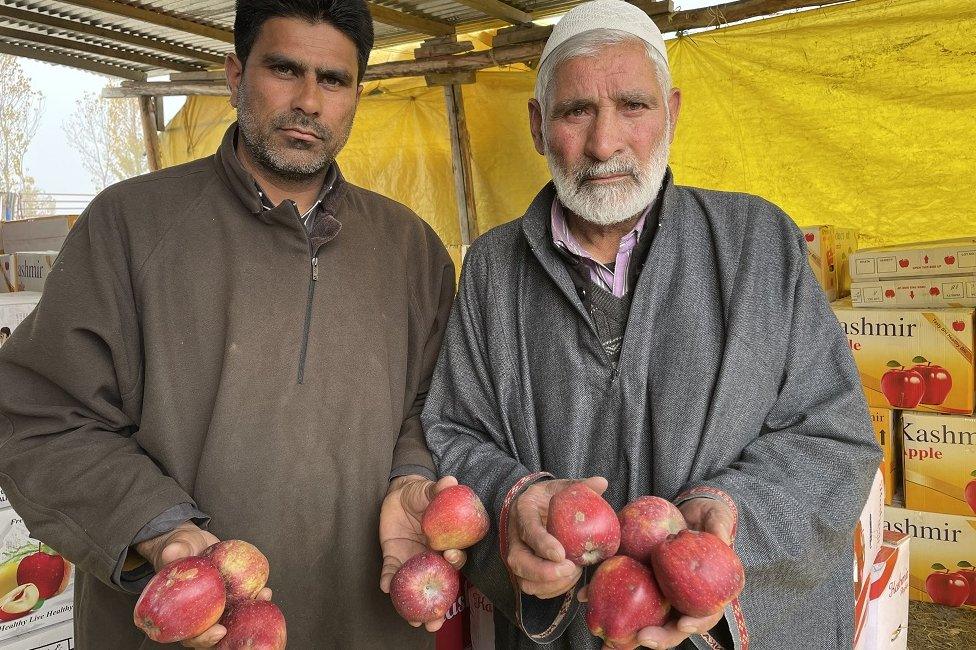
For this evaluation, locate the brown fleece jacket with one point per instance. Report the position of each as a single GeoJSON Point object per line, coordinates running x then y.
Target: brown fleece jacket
{"type": "Point", "coordinates": [191, 347]}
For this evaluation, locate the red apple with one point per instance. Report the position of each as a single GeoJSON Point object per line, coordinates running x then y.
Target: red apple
{"type": "Point", "coordinates": [584, 523]}
{"type": "Point", "coordinates": [937, 381]}
{"type": "Point", "coordinates": [424, 588]}
{"type": "Point", "coordinates": [243, 567]}
{"type": "Point", "coordinates": [947, 588]}
{"type": "Point", "coordinates": [958, 325]}
{"type": "Point", "coordinates": [809, 236]}
{"type": "Point", "coordinates": [455, 518]}
{"type": "Point", "coordinates": [50, 573]}
{"type": "Point", "coordinates": [934, 291]}
{"type": "Point", "coordinates": [903, 388]}
{"type": "Point", "coordinates": [950, 259]}
{"type": "Point", "coordinates": [182, 601]}
{"type": "Point", "coordinates": [968, 571]}
{"type": "Point", "coordinates": [970, 492]}
{"type": "Point", "coordinates": [698, 572]}
{"type": "Point", "coordinates": [645, 523]}
{"type": "Point", "coordinates": [889, 293]}
{"type": "Point", "coordinates": [623, 599]}
{"type": "Point", "coordinates": [253, 625]}
{"type": "Point", "coordinates": [903, 264]}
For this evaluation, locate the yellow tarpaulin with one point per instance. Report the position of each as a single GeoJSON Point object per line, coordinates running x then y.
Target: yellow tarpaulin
{"type": "Point", "coordinates": [861, 115]}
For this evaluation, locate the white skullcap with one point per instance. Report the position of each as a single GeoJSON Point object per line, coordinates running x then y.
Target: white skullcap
{"type": "Point", "coordinates": [605, 14]}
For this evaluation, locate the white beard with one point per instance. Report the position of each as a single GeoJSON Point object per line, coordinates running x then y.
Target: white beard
{"type": "Point", "coordinates": [606, 205]}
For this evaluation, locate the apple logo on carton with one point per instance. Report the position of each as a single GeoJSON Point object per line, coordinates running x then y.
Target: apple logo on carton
{"type": "Point", "coordinates": [945, 587]}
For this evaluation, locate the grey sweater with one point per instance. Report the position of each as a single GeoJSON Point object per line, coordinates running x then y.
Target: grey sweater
{"type": "Point", "coordinates": [733, 375]}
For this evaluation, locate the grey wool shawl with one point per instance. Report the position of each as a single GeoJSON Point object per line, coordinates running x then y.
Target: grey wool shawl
{"type": "Point", "coordinates": [733, 375]}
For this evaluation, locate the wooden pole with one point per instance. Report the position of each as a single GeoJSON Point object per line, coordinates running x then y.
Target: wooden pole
{"type": "Point", "coordinates": [148, 111]}
{"type": "Point", "coordinates": [461, 162]}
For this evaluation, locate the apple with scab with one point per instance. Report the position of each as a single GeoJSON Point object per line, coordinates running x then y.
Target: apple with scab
{"type": "Point", "coordinates": [183, 600]}
{"type": "Point", "coordinates": [584, 523]}
{"type": "Point", "coordinates": [253, 625]}
{"type": "Point", "coordinates": [242, 566]}
{"type": "Point", "coordinates": [455, 518]}
{"type": "Point", "coordinates": [947, 587]}
{"type": "Point", "coordinates": [698, 572]}
{"type": "Point", "coordinates": [50, 573]}
{"type": "Point", "coordinates": [424, 587]}
{"type": "Point", "coordinates": [624, 598]}
{"type": "Point", "coordinates": [902, 387]}
{"type": "Point", "coordinates": [645, 523]}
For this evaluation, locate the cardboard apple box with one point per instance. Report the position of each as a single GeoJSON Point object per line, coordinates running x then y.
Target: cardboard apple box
{"type": "Point", "coordinates": [941, 565]}
{"type": "Point", "coordinates": [845, 243]}
{"type": "Point", "coordinates": [867, 542]}
{"type": "Point", "coordinates": [16, 545]}
{"type": "Point", "coordinates": [40, 234]}
{"type": "Point", "coordinates": [940, 463]}
{"type": "Point", "coordinates": [888, 606]}
{"type": "Point", "coordinates": [820, 254]}
{"type": "Point", "coordinates": [885, 422]}
{"type": "Point", "coordinates": [917, 260]}
{"type": "Point", "coordinates": [917, 293]}
{"type": "Point", "coordinates": [919, 359]}
{"type": "Point", "coordinates": [482, 613]}
{"type": "Point", "coordinates": [33, 268]}
{"type": "Point", "coordinates": [56, 637]}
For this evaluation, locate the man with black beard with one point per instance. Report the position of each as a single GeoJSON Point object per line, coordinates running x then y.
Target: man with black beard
{"type": "Point", "coordinates": [649, 339]}
{"type": "Point", "coordinates": [141, 420]}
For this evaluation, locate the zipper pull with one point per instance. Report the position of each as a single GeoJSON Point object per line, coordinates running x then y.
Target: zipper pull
{"type": "Point", "coordinates": [315, 268]}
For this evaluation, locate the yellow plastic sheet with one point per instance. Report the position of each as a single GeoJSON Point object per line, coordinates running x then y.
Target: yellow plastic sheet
{"type": "Point", "coordinates": [861, 115]}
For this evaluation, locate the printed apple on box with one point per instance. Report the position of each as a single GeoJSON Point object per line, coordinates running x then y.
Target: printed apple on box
{"type": "Point", "coordinates": [918, 359]}
{"type": "Point", "coordinates": [941, 564]}
{"type": "Point", "coordinates": [922, 259]}
{"type": "Point", "coordinates": [940, 463]}
{"type": "Point", "coordinates": [888, 606]}
{"type": "Point", "coordinates": [917, 293]}
{"type": "Point", "coordinates": [885, 422]}
{"type": "Point", "coordinates": [820, 254]}
{"type": "Point", "coordinates": [8, 274]}
{"type": "Point", "coordinates": [35, 582]}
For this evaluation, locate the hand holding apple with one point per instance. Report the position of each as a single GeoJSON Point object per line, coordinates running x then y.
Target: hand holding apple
{"type": "Point", "coordinates": [401, 531]}
{"type": "Point", "coordinates": [645, 523]}
{"type": "Point", "coordinates": [536, 558]}
{"type": "Point", "coordinates": [584, 523]}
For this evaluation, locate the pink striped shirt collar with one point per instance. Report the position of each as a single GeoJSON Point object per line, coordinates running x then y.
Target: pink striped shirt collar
{"type": "Point", "coordinates": [615, 281]}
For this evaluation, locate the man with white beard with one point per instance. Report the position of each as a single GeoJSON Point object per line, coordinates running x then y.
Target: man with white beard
{"type": "Point", "coordinates": [649, 339]}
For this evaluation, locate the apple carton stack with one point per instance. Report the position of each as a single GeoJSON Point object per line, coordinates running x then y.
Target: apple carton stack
{"type": "Point", "coordinates": [828, 249]}
{"type": "Point", "coordinates": [910, 323]}
{"type": "Point", "coordinates": [36, 594]}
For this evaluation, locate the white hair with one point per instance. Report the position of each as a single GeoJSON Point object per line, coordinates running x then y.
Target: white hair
{"type": "Point", "coordinates": [589, 44]}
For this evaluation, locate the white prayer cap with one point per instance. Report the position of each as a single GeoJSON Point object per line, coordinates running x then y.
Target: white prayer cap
{"type": "Point", "coordinates": [605, 14]}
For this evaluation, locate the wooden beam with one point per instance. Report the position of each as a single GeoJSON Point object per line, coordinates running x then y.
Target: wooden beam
{"type": "Point", "coordinates": [33, 18]}
{"type": "Point", "coordinates": [154, 17]}
{"type": "Point", "coordinates": [148, 112]}
{"type": "Point", "coordinates": [732, 12]}
{"type": "Point", "coordinates": [497, 9]}
{"type": "Point", "coordinates": [461, 164]}
{"type": "Point", "coordinates": [71, 61]}
{"type": "Point", "coordinates": [167, 89]}
{"type": "Point", "coordinates": [653, 7]}
{"type": "Point", "coordinates": [109, 52]}
{"type": "Point", "coordinates": [409, 22]}
{"type": "Point", "coordinates": [158, 113]}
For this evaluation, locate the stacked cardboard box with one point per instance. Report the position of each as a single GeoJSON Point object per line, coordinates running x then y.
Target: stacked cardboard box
{"type": "Point", "coordinates": [828, 249]}
{"type": "Point", "coordinates": [41, 234]}
{"type": "Point", "coordinates": [910, 325]}
{"type": "Point", "coordinates": [36, 584]}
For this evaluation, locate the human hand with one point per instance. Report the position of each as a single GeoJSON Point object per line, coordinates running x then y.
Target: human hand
{"type": "Point", "coordinates": [183, 541]}
{"type": "Point", "coordinates": [535, 557]}
{"type": "Point", "coordinates": [401, 536]}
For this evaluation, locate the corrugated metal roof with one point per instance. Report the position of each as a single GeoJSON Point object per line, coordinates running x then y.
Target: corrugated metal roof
{"type": "Point", "coordinates": [137, 37]}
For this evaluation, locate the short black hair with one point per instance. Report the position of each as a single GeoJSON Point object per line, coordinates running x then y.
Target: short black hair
{"type": "Point", "coordinates": [351, 17]}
